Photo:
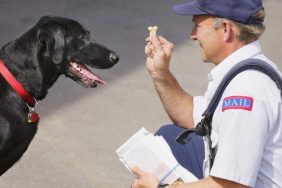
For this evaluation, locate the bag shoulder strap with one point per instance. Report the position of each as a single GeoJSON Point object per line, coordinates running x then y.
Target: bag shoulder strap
{"type": "Point", "coordinates": [204, 127]}
{"type": "Point", "coordinates": [255, 64]}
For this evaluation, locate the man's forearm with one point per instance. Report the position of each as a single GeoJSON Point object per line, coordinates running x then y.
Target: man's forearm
{"type": "Point", "coordinates": [177, 103]}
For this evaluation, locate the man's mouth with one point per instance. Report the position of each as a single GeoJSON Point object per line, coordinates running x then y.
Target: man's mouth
{"type": "Point", "coordinates": [197, 43]}
{"type": "Point", "coordinates": [80, 73]}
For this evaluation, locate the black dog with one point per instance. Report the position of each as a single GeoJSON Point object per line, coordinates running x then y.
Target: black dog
{"type": "Point", "coordinates": [54, 46]}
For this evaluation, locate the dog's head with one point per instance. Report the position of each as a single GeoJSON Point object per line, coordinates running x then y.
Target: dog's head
{"type": "Point", "coordinates": [66, 47]}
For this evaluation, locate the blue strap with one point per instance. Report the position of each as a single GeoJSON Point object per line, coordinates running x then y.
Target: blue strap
{"type": "Point", "coordinates": [247, 64]}
{"type": "Point", "coordinates": [204, 127]}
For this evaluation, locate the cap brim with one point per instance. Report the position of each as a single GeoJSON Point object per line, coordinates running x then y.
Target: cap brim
{"type": "Point", "coordinates": [188, 9]}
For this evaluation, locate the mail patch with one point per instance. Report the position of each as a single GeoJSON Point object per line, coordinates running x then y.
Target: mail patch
{"type": "Point", "coordinates": [238, 102]}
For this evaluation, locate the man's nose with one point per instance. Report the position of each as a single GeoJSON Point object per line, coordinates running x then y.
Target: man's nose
{"type": "Point", "coordinates": [193, 35]}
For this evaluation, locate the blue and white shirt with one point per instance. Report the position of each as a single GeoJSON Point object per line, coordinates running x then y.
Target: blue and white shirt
{"type": "Point", "coordinates": [247, 125]}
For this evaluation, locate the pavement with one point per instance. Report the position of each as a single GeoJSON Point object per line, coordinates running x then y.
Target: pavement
{"type": "Point", "coordinates": [80, 128]}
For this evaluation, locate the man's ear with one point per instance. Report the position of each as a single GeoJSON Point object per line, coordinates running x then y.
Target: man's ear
{"type": "Point", "coordinates": [53, 42]}
{"type": "Point", "coordinates": [227, 30]}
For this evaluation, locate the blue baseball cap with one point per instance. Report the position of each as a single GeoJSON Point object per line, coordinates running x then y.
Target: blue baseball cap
{"type": "Point", "coordinates": [242, 11]}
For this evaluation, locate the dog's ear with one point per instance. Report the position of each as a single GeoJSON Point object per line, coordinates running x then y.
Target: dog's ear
{"type": "Point", "coordinates": [44, 19]}
{"type": "Point", "coordinates": [52, 40]}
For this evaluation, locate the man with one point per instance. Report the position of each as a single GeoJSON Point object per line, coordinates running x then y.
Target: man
{"type": "Point", "coordinates": [247, 136]}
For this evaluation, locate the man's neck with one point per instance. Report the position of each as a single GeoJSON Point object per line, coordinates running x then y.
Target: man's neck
{"type": "Point", "coordinates": [229, 49]}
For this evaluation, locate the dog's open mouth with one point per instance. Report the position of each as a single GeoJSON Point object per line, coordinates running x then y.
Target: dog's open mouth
{"type": "Point", "coordinates": [82, 74]}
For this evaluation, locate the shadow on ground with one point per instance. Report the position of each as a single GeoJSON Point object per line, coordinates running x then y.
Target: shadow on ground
{"type": "Point", "coordinates": [80, 129]}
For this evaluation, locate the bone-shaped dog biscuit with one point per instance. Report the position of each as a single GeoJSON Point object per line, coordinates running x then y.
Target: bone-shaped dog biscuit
{"type": "Point", "coordinates": [152, 30]}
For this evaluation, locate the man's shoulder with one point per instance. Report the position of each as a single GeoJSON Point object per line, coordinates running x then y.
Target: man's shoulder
{"type": "Point", "coordinates": [254, 84]}
{"type": "Point", "coordinates": [254, 81]}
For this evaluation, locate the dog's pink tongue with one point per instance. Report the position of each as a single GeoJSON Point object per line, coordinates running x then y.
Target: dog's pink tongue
{"type": "Point", "coordinates": [90, 75]}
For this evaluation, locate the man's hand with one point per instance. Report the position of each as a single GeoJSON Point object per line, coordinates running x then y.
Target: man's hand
{"type": "Point", "coordinates": [177, 103]}
{"type": "Point", "coordinates": [158, 51]}
{"type": "Point", "coordinates": [144, 179]}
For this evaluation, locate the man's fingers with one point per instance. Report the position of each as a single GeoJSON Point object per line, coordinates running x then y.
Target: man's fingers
{"type": "Point", "coordinates": [135, 183]}
{"type": "Point", "coordinates": [157, 43]}
{"type": "Point", "coordinates": [137, 171]}
{"type": "Point", "coordinates": [164, 41]}
{"type": "Point", "coordinates": [148, 39]}
{"type": "Point", "coordinates": [149, 50]}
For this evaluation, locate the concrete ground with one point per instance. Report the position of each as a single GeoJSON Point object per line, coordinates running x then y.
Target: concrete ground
{"type": "Point", "coordinates": [80, 128]}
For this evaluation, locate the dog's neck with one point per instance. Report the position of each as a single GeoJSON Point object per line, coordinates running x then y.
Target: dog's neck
{"type": "Point", "coordinates": [17, 86]}
{"type": "Point", "coordinates": [24, 69]}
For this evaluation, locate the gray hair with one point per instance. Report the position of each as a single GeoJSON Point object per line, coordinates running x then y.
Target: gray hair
{"type": "Point", "coordinates": [248, 32]}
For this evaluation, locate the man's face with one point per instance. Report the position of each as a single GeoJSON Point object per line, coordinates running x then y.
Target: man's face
{"type": "Point", "coordinates": [209, 38]}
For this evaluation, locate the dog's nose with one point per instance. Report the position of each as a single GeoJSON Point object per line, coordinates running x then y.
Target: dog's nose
{"type": "Point", "coordinates": [114, 57]}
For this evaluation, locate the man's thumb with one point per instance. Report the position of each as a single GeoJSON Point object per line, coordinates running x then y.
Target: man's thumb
{"type": "Point", "coordinates": [137, 171]}
{"type": "Point", "coordinates": [157, 44]}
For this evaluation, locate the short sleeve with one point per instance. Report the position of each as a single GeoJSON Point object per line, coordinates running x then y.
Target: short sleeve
{"type": "Point", "coordinates": [240, 128]}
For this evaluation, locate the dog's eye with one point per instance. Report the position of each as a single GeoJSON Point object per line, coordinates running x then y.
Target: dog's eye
{"type": "Point", "coordinates": [81, 36]}
{"type": "Point", "coordinates": [84, 36]}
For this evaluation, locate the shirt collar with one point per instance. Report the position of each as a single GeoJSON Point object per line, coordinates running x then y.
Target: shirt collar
{"type": "Point", "coordinates": [245, 52]}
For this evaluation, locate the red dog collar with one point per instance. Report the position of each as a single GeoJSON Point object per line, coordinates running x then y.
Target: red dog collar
{"type": "Point", "coordinates": [21, 91]}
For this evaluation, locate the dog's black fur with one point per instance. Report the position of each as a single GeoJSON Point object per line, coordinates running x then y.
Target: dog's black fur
{"type": "Point", "coordinates": [54, 46]}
